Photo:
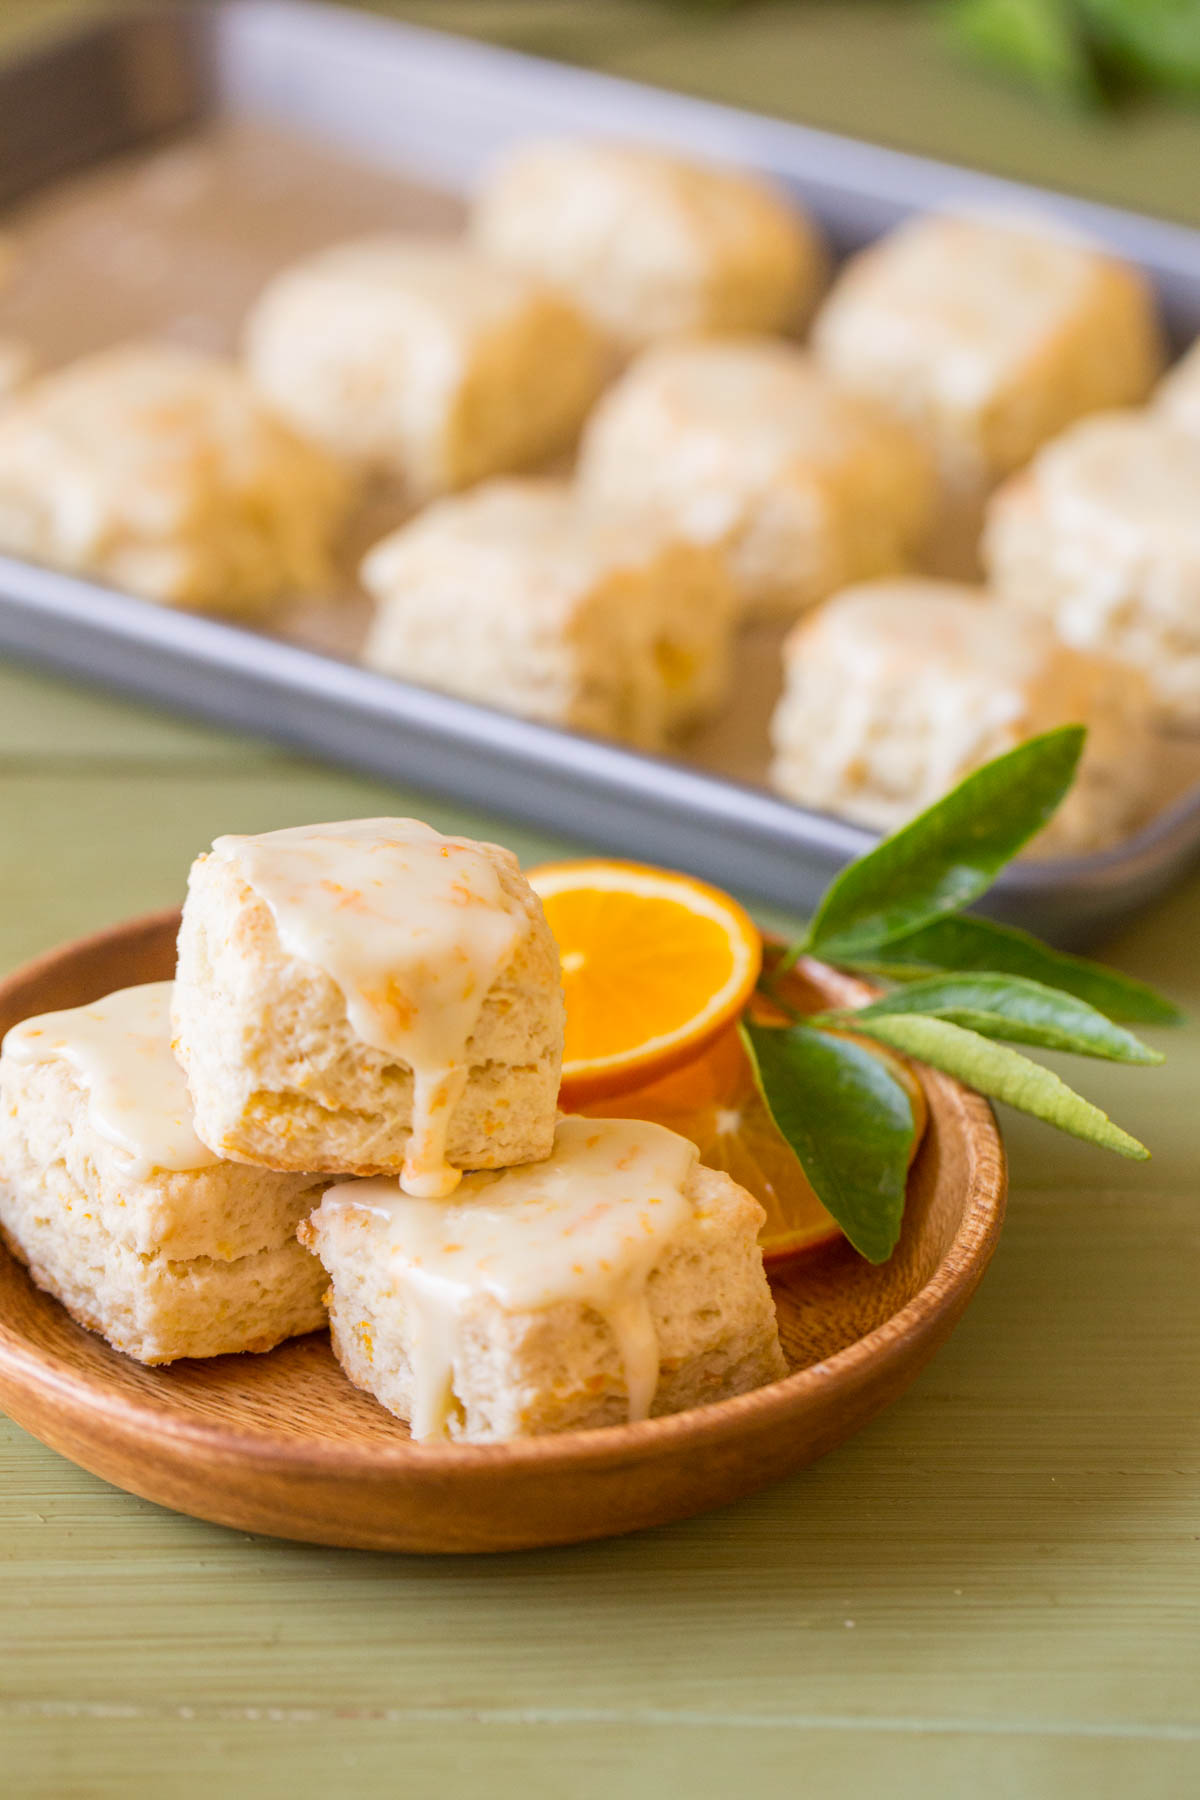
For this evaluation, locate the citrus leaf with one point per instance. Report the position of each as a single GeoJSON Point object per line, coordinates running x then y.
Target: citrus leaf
{"type": "Point", "coordinates": [1037, 41]}
{"type": "Point", "coordinates": [1153, 42]}
{"type": "Point", "coordinates": [1008, 1006]}
{"type": "Point", "coordinates": [849, 1122]}
{"type": "Point", "coordinates": [1001, 1074]}
{"type": "Point", "coordinates": [970, 943]}
{"type": "Point", "coordinates": [948, 855]}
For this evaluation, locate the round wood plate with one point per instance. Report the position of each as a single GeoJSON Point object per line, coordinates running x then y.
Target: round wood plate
{"type": "Point", "coordinates": [283, 1444]}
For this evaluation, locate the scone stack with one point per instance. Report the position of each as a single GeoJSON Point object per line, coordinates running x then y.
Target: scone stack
{"type": "Point", "coordinates": [369, 1014]}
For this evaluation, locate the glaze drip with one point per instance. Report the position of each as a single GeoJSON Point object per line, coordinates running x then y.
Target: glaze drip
{"type": "Point", "coordinates": [414, 929]}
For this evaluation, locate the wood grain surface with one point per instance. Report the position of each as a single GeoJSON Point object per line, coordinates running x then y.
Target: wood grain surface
{"type": "Point", "coordinates": [993, 1592]}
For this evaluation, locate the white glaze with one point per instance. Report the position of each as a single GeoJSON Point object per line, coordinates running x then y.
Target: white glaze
{"type": "Point", "coordinates": [120, 1051]}
{"type": "Point", "coordinates": [587, 1226]}
{"type": "Point", "coordinates": [414, 929]}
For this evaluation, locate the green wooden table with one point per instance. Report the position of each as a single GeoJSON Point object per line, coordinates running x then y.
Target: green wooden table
{"type": "Point", "coordinates": [992, 1592]}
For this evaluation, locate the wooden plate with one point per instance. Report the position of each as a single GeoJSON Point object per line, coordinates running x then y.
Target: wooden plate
{"type": "Point", "coordinates": [283, 1444]}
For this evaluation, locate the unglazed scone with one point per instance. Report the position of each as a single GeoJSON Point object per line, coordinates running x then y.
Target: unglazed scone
{"type": "Point", "coordinates": [519, 596]}
{"type": "Point", "coordinates": [424, 360]}
{"type": "Point", "coordinates": [1101, 536]}
{"type": "Point", "coordinates": [650, 244]}
{"type": "Point", "coordinates": [368, 997]}
{"type": "Point", "coordinates": [122, 1213]}
{"type": "Point", "coordinates": [1178, 394]}
{"type": "Point", "coordinates": [616, 1280]}
{"type": "Point", "coordinates": [159, 470]}
{"type": "Point", "coordinates": [896, 690]}
{"type": "Point", "coordinates": [989, 335]}
{"type": "Point", "coordinates": [744, 442]}
{"type": "Point", "coordinates": [17, 363]}
{"type": "Point", "coordinates": [17, 359]}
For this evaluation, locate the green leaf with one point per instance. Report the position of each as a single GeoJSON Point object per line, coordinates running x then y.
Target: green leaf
{"type": "Point", "coordinates": [1002, 1074]}
{"type": "Point", "coordinates": [1010, 1007]}
{"type": "Point", "coordinates": [1038, 41]}
{"type": "Point", "coordinates": [970, 943]}
{"type": "Point", "coordinates": [950, 854]}
{"type": "Point", "coordinates": [849, 1122]}
{"type": "Point", "coordinates": [1156, 42]}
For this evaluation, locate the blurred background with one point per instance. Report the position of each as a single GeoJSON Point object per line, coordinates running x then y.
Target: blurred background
{"type": "Point", "coordinates": [1098, 96]}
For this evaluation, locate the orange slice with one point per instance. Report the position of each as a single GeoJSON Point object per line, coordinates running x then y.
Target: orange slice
{"type": "Point", "coordinates": [655, 965]}
{"type": "Point", "coordinates": [714, 1101]}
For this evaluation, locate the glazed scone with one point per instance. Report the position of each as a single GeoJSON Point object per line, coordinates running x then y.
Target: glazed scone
{"type": "Point", "coordinates": [517, 596]}
{"type": "Point", "coordinates": [989, 335]}
{"type": "Point", "coordinates": [1178, 395]}
{"type": "Point", "coordinates": [1101, 536]}
{"type": "Point", "coordinates": [896, 690]}
{"type": "Point", "coordinates": [743, 442]}
{"type": "Point", "coordinates": [158, 470]}
{"type": "Point", "coordinates": [368, 997]}
{"type": "Point", "coordinates": [650, 244]}
{"type": "Point", "coordinates": [616, 1280]}
{"type": "Point", "coordinates": [424, 360]}
{"type": "Point", "coordinates": [122, 1213]}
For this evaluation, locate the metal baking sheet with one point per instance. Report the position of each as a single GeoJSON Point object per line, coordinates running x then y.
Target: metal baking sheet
{"type": "Point", "coordinates": [128, 153]}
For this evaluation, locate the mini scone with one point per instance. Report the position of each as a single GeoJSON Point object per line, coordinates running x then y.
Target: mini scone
{"type": "Point", "coordinates": [518, 596]}
{"type": "Point", "coordinates": [1101, 536]}
{"type": "Point", "coordinates": [159, 470]}
{"type": "Point", "coordinates": [616, 1280]}
{"type": "Point", "coordinates": [122, 1213]}
{"type": "Point", "coordinates": [895, 690]}
{"type": "Point", "coordinates": [424, 360]}
{"type": "Point", "coordinates": [744, 442]}
{"type": "Point", "coordinates": [989, 335]}
{"type": "Point", "coordinates": [1178, 394]}
{"type": "Point", "coordinates": [651, 244]}
{"type": "Point", "coordinates": [368, 997]}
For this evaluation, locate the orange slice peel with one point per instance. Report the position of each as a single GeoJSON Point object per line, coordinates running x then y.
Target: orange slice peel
{"type": "Point", "coordinates": [655, 966]}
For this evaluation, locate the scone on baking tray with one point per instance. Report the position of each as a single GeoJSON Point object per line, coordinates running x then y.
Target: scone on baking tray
{"type": "Point", "coordinates": [122, 1213]}
{"type": "Point", "coordinates": [1178, 394]}
{"type": "Point", "coordinates": [895, 690]}
{"type": "Point", "coordinates": [989, 335]}
{"type": "Point", "coordinates": [424, 360]}
{"type": "Point", "coordinates": [1101, 536]}
{"type": "Point", "coordinates": [17, 364]}
{"type": "Point", "coordinates": [651, 244]}
{"type": "Point", "coordinates": [615, 1280]}
{"type": "Point", "coordinates": [158, 469]}
{"type": "Point", "coordinates": [368, 997]}
{"type": "Point", "coordinates": [744, 442]}
{"type": "Point", "coordinates": [517, 596]}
